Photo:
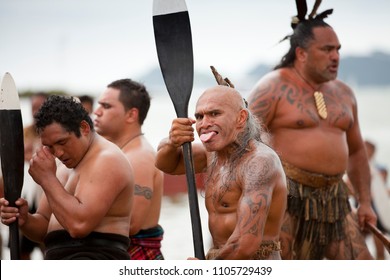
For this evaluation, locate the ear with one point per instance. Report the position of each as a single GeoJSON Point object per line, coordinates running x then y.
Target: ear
{"type": "Point", "coordinates": [242, 118]}
{"type": "Point", "coordinates": [300, 54]}
{"type": "Point", "coordinates": [132, 115]}
{"type": "Point", "coordinates": [84, 128]}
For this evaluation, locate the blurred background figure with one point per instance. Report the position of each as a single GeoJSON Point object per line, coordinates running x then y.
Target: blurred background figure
{"type": "Point", "coordinates": [88, 102]}
{"type": "Point", "coordinates": [384, 172]}
{"type": "Point", "coordinates": [31, 191]}
{"type": "Point", "coordinates": [378, 180]}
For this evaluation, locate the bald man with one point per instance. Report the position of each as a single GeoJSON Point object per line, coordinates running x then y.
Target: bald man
{"type": "Point", "coordinates": [246, 185]}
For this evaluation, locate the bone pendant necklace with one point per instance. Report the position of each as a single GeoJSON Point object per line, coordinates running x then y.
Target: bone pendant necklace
{"type": "Point", "coordinates": [318, 98]}
{"type": "Point", "coordinates": [320, 104]}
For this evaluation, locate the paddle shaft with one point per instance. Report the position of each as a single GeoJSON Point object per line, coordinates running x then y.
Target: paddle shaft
{"type": "Point", "coordinates": [193, 200]}
{"type": "Point", "coordinates": [379, 235]}
{"type": "Point", "coordinates": [14, 241]}
{"type": "Point", "coordinates": [12, 160]}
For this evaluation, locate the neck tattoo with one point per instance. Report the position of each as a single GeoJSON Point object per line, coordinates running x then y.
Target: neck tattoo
{"type": "Point", "coordinates": [318, 98]}
{"type": "Point", "coordinates": [131, 139]}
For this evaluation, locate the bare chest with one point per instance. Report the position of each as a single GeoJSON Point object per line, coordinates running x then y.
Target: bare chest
{"type": "Point", "coordinates": [72, 182]}
{"type": "Point", "coordinates": [300, 109]}
{"type": "Point", "coordinates": [223, 192]}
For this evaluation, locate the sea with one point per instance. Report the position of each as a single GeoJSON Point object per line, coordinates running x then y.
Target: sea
{"type": "Point", "coordinates": [374, 118]}
{"type": "Point", "coordinates": [373, 113]}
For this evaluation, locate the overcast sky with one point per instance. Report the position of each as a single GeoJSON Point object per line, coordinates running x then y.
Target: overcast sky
{"type": "Point", "coordinates": [85, 44]}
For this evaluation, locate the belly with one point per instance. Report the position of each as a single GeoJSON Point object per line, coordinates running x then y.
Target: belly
{"type": "Point", "coordinates": [221, 227]}
{"type": "Point", "coordinates": [314, 150]}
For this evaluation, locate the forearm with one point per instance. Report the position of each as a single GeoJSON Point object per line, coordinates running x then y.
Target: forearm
{"type": "Point", "coordinates": [70, 213]}
{"type": "Point", "coordinates": [169, 158]}
{"type": "Point", "coordinates": [238, 249]}
{"type": "Point", "coordinates": [35, 228]}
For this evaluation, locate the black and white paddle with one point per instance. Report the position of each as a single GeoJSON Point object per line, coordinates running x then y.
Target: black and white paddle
{"type": "Point", "coordinates": [172, 32]}
{"type": "Point", "coordinates": [11, 152]}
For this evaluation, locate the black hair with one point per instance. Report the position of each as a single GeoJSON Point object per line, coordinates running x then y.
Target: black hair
{"type": "Point", "coordinates": [133, 95]}
{"type": "Point", "coordinates": [301, 37]}
{"type": "Point", "coordinates": [86, 98]}
{"type": "Point", "coordinates": [63, 110]}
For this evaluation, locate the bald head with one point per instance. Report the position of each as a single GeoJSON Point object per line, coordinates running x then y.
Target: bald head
{"type": "Point", "coordinates": [223, 95]}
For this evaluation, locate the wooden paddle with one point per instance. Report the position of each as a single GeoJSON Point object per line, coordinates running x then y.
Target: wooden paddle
{"type": "Point", "coordinates": [379, 235]}
{"type": "Point", "coordinates": [172, 32]}
{"type": "Point", "coordinates": [11, 152]}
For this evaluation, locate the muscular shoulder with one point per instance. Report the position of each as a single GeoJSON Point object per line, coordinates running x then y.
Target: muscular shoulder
{"type": "Point", "coordinates": [341, 92]}
{"type": "Point", "coordinates": [344, 89]}
{"type": "Point", "coordinates": [263, 168]}
{"type": "Point", "coordinates": [107, 158]}
{"type": "Point", "coordinates": [142, 156]}
{"type": "Point", "coordinates": [273, 82]}
{"type": "Point", "coordinates": [265, 96]}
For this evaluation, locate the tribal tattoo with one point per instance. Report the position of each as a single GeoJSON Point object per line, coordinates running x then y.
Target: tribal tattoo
{"type": "Point", "coordinates": [143, 191]}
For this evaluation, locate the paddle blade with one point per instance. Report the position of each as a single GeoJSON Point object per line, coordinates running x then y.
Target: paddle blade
{"type": "Point", "coordinates": [11, 140]}
{"type": "Point", "coordinates": [172, 32]}
{"type": "Point", "coordinates": [11, 152]}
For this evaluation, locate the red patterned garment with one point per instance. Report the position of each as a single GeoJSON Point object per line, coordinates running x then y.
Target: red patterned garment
{"type": "Point", "coordinates": [146, 244]}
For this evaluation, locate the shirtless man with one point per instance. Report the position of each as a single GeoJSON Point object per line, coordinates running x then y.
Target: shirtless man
{"type": "Point", "coordinates": [122, 110]}
{"type": "Point", "coordinates": [245, 187]}
{"type": "Point", "coordinates": [88, 217]}
{"type": "Point", "coordinates": [316, 146]}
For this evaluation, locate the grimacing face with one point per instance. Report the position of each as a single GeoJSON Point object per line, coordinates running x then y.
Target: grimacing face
{"type": "Point", "coordinates": [217, 118]}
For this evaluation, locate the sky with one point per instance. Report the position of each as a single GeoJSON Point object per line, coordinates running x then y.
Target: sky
{"type": "Point", "coordinates": [82, 45]}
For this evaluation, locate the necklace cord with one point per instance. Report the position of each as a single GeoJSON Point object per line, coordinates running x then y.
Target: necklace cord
{"type": "Point", "coordinates": [318, 97]}
{"type": "Point", "coordinates": [131, 139]}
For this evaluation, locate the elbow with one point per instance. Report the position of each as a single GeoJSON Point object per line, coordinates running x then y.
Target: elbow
{"type": "Point", "coordinates": [79, 230]}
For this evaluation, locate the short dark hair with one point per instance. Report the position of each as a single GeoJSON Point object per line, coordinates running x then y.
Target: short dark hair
{"type": "Point", "coordinates": [301, 37]}
{"type": "Point", "coordinates": [86, 98]}
{"type": "Point", "coordinates": [133, 95]}
{"type": "Point", "coordinates": [64, 110]}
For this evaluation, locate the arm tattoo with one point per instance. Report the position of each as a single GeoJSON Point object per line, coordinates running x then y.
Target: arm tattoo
{"type": "Point", "coordinates": [258, 196]}
{"type": "Point", "coordinates": [143, 191]}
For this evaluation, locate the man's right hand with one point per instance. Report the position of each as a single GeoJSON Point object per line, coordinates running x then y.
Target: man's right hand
{"type": "Point", "coordinates": [9, 214]}
{"type": "Point", "coordinates": [181, 132]}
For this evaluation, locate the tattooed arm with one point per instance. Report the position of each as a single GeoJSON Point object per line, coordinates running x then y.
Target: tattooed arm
{"type": "Point", "coordinates": [258, 176]}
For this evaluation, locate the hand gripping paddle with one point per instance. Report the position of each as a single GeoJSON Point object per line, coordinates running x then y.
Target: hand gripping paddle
{"type": "Point", "coordinates": [11, 152]}
{"type": "Point", "coordinates": [172, 32]}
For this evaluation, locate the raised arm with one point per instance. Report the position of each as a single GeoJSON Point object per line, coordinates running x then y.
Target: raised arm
{"type": "Point", "coordinates": [88, 197]}
{"type": "Point", "coordinates": [169, 152]}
